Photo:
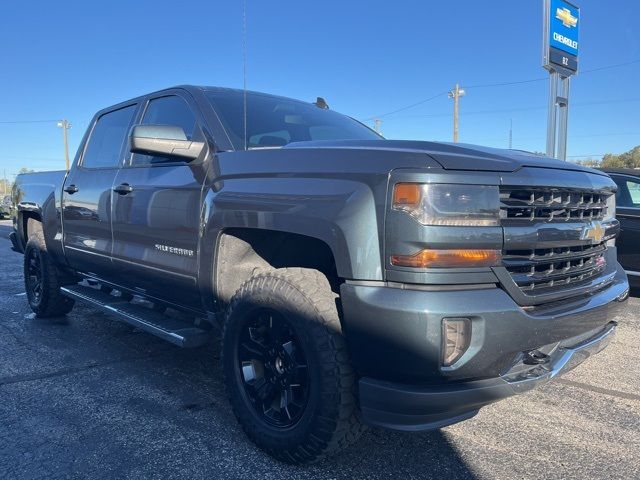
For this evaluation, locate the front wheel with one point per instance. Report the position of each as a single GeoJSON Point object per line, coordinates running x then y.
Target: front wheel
{"type": "Point", "coordinates": [42, 280]}
{"type": "Point", "coordinates": [286, 366]}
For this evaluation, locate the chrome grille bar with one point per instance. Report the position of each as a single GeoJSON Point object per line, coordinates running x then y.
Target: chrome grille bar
{"type": "Point", "coordinates": [551, 205]}
{"type": "Point", "coordinates": [540, 268]}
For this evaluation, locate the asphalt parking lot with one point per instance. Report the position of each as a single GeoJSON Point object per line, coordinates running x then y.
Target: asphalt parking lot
{"type": "Point", "coordinates": [87, 397]}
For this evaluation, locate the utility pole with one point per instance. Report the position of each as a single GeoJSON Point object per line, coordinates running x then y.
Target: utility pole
{"type": "Point", "coordinates": [376, 125]}
{"type": "Point", "coordinates": [511, 134]}
{"type": "Point", "coordinates": [456, 93]}
{"type": "Point", "coordinates": [65, 125]}
{"type": "Point", "coordinates": [4, 177]}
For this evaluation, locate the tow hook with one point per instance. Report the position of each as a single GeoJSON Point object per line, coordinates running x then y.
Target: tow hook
{"type": "Point", "coordinates": [623, 296]}
{"type": "Point", "coordinates": [535, 357]}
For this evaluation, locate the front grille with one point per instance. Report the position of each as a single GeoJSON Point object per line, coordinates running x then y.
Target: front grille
{"type": "Point", "coordinates": [544, 270]}
{"type": "Point", "coordinates": [551, 205]}
{"type": "Point", "coordinates": [539, 263]}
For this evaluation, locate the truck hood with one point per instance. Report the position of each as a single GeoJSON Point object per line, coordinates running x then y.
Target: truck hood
{"type": "Point", "coordinates": [454, 156]}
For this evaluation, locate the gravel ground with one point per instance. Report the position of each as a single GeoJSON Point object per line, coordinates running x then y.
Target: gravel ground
{"type": "Point", "coordinates": [88, 397]}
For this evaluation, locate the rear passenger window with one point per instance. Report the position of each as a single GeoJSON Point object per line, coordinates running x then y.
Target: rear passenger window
{"type": "Point", "coordinates": [105, 144]}
{"type": "Point", "coordinates": [171, 110]}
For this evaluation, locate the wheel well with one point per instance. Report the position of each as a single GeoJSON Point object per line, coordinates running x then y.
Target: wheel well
{"type": "Point", "coordinates": [28, 227]}
{"type": "Point", "coordinates": [244, 252]}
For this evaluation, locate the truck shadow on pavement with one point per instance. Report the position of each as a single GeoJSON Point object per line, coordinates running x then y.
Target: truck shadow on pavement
{"type": "Point", "coordinates": [197, 407]}
{"type": "Point", "coordinates": [127, 406]}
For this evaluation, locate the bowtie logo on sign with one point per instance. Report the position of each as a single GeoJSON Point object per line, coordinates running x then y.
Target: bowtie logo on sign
{"type": "Point", "coordinates": [564, 15]}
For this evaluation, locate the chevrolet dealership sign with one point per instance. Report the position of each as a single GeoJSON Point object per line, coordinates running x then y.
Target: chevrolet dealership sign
{"type": "Point", "coordinates": [561, 27]}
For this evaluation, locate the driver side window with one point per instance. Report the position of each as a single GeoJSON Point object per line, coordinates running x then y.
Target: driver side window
{"type": "Point", "coordinates": [170, 110]}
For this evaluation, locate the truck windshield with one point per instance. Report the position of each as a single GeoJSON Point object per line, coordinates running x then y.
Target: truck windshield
{"type": "Point", "coordinates": [275, 121]}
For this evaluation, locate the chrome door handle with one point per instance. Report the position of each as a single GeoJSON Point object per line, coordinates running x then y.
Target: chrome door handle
{"type": "Point", "coordinates": [123, 189]}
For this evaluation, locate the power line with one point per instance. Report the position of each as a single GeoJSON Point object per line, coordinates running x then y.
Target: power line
{"type": "Point", "coordinates": [408, 106]}
{"type": "Point", "coordinates": [32, 159]}
{"type": "Point", "coordinates": [504, 84]}
{"type": "Point", "coordinates": [501, 84]}
{"type": "Point", "coordinates": [615, 65]}
{"type": "Point", "coordinates": [517, 109]}
{"type": "Point", "coordinates": [540, 79]}
{"type": "Point", "coordinates": [16, 122]}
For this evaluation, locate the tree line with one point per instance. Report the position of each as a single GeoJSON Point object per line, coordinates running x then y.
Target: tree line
{"type": "Point", "coordinates": [630, 159]}
{"type": "Point", "coordinates": [6, 184]}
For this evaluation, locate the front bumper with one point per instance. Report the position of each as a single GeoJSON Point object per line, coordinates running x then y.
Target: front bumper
{"type": "Point", "coordinates": [402, 407]}
{"type": "Point", "coordinates": [394, 337]}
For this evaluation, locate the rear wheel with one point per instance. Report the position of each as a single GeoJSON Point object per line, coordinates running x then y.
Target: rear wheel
{"type": "Point", "coordinates": [42, 278]}
{"type": "Point", "coordinates": [286, 366]}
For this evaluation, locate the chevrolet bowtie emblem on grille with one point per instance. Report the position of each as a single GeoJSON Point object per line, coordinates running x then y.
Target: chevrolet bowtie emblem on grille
{"type": "Point", "coordinates": [593, 232]}
{"type": "Point", "coordinates": [564, 15]}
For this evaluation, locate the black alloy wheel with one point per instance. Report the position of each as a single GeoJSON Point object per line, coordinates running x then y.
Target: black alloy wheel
{"type": "Point", "coordinates": [42, 279]}
{"type": "Point", "coordinates": [34, 275]}
{"type": "Point", "coordinates": [273, 369]}
{"type": "Point", "coordinates": [286, 366]}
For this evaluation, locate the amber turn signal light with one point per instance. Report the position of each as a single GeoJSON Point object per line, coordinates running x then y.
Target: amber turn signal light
{"type": "Point", "coordinates": [448, 259]}
{"type": "Point", "coordinates": [406, 195]}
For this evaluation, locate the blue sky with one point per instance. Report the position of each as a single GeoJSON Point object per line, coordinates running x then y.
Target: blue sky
{"type": "Point", "coordinates": [69, 59]}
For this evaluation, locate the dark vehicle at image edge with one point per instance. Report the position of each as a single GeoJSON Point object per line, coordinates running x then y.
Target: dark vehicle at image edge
{"type": "Point", "coordinates": [628, 213]}
{"type": "Point", "coordinates": [358, 280]}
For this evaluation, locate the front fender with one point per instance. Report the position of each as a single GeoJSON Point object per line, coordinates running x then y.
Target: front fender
{"type": "Point", "coordinates": [40, 201]}
{"type": "Point", "coordinates": [342, 213]}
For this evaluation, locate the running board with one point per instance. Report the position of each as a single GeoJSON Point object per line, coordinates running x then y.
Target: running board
{"type": "Point", "coordinates": [170, 329]}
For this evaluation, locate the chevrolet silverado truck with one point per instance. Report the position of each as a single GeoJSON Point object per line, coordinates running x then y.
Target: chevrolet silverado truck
{"type": "Point", "coordinates": [357, 280]}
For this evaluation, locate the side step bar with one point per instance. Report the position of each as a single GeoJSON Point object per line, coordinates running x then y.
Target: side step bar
{"type": "Point", "coordinates": [170, 329]}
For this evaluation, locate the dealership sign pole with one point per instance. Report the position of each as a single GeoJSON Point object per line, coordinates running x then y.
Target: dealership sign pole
{"type": "Point", "coordinates": [561, 22]}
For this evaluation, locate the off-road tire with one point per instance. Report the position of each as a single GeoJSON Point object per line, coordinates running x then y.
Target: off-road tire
{"type": "Point", "coordinates": [330, 421]}
{"type": "Point", "coordinates": [50, 302]}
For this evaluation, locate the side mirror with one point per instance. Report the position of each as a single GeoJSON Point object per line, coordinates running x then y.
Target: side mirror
{"type": "Point", "coordinates": [163, 141]}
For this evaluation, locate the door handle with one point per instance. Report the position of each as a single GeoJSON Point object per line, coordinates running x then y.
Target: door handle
{"type": "Point", "coordinates": [71, 189]}
{"type": "Point", "coordinates": [123, 189]}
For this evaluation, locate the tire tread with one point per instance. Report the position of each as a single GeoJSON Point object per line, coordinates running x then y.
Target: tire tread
{"type": "Point", "coordinates": [52, 302]}
{"type": "Point", "coordinates": [338, 426]}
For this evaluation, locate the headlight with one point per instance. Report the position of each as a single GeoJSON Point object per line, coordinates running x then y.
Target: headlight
{"type": "Point", "coordinates": [610, 213]}
{"type": "Point", "coordinates": [449, 204]}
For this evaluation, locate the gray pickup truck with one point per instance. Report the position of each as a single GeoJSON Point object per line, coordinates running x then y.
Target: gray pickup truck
{"type": "Point", "coordinates": [357, 280]}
